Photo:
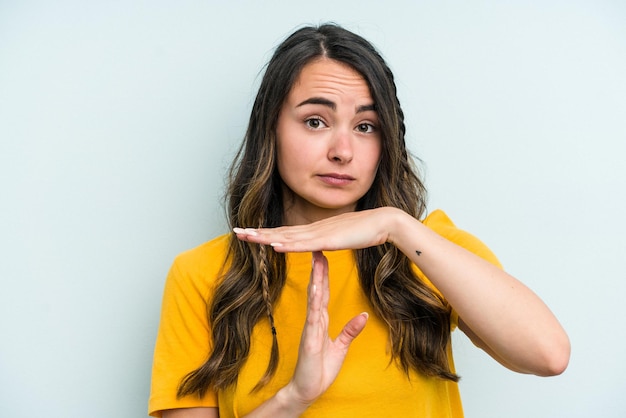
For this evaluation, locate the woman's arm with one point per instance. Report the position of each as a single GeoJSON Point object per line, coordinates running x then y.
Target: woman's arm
{"type": "Point", "coordinates": [497, 311]}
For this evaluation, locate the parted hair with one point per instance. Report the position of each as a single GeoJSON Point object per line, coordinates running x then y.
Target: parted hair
{"type": "Point", "coordinates": [253, 276]}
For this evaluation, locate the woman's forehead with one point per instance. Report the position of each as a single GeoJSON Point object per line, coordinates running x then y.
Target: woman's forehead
{"type": "Point", "coordinates": [330, 78]}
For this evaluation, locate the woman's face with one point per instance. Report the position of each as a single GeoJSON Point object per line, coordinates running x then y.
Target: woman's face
{"type": "Point", "coordinates": [328, 142]}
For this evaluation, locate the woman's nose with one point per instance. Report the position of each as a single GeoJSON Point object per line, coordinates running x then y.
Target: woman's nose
{"type": "Point", "coordinates": [340, 149]}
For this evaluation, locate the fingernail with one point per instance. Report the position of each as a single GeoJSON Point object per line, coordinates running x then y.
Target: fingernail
{"type": "Point", "coordinates": [239, 230]}
{"type": "Point", "coordinates": [275, 244]}
{"type": "Point", "coordinates": [365, 314]}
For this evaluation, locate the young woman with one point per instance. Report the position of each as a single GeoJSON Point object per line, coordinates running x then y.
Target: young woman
{"type": "Point", "coordinates": [324, 194]}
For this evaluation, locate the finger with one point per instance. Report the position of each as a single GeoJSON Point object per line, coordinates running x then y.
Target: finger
{"type": "Point", "coordinates": [296, 243]}
{"type": "Point", "coordinates": [325, 282]}
{"type": "Point", "coordinates": [240, 234]}
{"type": "Point", "coordinates": [266, 235]}
{"type": "Point", "coordinates": [315, 291]}
{"type": "Point", "coordinates": [352, 329]}
{"type": "Point", "coordinates": [286, 239]}
{"type": "Point", "coordinates": [320, 271]}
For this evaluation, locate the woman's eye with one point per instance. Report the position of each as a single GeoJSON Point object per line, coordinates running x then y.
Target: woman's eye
{"type": "Point", "coordinates": [365, 128]}
{"type": "Point", "coordinates": [314, 123]}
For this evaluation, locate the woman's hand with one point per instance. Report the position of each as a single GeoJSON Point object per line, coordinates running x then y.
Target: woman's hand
{"type": "Point", "coordinates": [353, 230]}
{"type": "Point", "coordinates": [320, 358]}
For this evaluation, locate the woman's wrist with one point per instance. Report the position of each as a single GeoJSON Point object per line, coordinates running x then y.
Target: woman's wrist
{"type": "Point", "coordinates": [282, 405]}
{"type": "Point", "coordinates": [398, 221]}
{"type": "Point", "coordinates": [289, 402]}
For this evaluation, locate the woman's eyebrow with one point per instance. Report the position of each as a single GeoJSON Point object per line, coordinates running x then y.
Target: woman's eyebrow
{"type": "Point", "coordinates": [319, 101]}
{"type": "Point", "coordinates": [366, 108]}
{"type": "Point", "coordinates": [329, 103]}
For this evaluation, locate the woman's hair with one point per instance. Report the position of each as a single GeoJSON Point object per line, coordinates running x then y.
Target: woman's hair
{"type": "Point", "coordinates": [253, 278]}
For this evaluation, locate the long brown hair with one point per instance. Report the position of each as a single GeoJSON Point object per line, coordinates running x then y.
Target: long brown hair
{"type": "Point", "coordinates": [418, 319]}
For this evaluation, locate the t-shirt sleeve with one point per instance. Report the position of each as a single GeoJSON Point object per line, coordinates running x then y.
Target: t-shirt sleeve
{"type": "Point", "coordinates": [183, 338]}
{"type": "Point", "coordinates": [439, 222]}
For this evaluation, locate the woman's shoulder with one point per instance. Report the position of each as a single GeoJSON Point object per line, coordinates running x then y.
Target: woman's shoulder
{"type": "Point", "coordinates": [441, 223]}
{"type": "Point", "coordinates": [216, 247]}
{"type": "Point", "coordinates": [204, 262]}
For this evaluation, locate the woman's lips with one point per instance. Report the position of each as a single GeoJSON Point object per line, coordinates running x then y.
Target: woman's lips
{"type": "Point", "coordinates": [336, 179]}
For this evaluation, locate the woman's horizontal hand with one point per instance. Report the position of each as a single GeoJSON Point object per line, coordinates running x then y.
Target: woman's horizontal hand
{"type": "Point", "coordinates": [352, 230]}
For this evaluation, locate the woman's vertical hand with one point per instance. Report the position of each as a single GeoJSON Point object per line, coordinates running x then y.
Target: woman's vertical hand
{"type": "Point", "coordinates": [320, 358]}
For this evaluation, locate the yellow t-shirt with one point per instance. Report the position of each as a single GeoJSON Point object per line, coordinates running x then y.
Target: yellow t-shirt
{"type": "Point", "coordinates": [368, 385]}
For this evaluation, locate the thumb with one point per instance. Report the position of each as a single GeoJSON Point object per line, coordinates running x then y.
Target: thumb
{"type": "Point", "coordinates": [352, 329]}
